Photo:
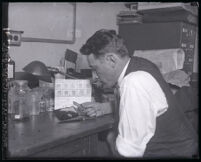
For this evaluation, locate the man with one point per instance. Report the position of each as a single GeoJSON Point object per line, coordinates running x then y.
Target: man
{"type": "Point", "coordinates": [150, 122]}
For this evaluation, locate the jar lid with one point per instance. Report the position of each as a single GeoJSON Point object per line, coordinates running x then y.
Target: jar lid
{"type": "Point", "coordinates": [21, 82]}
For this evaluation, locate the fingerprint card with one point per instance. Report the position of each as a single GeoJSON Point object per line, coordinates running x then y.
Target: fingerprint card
{"type": "Point", "coordinates": [69, 90]}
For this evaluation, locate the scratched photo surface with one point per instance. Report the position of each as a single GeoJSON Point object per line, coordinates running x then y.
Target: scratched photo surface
{"type": "Point", "coordinates": [49, 32]}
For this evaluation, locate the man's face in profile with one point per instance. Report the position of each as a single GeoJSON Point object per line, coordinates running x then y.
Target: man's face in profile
{"type": "Point", "coordinates": [103, 68]}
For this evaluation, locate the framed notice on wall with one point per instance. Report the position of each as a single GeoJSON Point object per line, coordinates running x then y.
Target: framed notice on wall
{"type": "Point", "coordinates": [43, 22]}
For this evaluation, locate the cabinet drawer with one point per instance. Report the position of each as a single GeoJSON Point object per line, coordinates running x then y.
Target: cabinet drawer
{"type": "Point", "coordinates": [188, 67]}
{"type": "Point", "coordinates": [187, 45]}
{"type": "Point", "coordinates": [188, 31]}
{"type": "Point", "coordinates": [66, 150]}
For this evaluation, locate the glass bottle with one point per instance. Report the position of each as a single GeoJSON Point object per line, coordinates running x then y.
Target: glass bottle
{"type": "Point", "coordinates": [42, 104]}
{"type": "Point", "coordinates": [33, 102]}
{"type": "Point", "coordinates": [21, 108]}
{"type": "Point", "coordinates": [11, 99]}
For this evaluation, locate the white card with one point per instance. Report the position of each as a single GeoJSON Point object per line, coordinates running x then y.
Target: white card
{"type": "Point", "coordinates": [69, 90]}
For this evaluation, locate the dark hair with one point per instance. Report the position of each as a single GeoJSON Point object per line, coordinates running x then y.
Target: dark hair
{"type": "Point", "coordinates": [104, 41]}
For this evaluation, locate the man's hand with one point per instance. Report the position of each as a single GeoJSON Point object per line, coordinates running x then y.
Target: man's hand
{"type": "Point", "coordinates": [95, 109]}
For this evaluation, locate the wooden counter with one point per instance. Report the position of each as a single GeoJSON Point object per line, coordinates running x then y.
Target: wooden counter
{"type": "Point", "coordinates": [43, 136]}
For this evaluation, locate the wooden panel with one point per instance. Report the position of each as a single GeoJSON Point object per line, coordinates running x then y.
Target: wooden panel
{"type": "Point", "coordinates": [43, 131]}
{"type": "Point", "coordinates": [151, 35]}
{"type": "Point", "coordinates": [188, 45]}
{"type": "Point", "coordinates": [164, 35]}
{"type": "Point", "coordinates": [71, 149]}
{"type": "Point", "coordinates": [93, 145]}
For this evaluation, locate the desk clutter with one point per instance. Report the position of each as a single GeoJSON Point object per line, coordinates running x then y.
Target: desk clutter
{"type": "Point", "coordinates": [24, 101]}
{"type": "Point", "coordinates": [71, 114]}
{"type": "Point", "coordinates": [41, 88]}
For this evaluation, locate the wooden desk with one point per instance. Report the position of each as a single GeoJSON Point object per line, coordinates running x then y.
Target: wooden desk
{"type": "Point", "coordinates": [43, 136]}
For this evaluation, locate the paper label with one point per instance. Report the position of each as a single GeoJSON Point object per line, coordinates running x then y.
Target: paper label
{"type": "Point", "coordinates": [10, 71]}
{"type": "Point", "coordinates": [17, 116]}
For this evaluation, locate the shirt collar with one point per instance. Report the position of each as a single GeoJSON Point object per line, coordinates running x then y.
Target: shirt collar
{"type": "Point", "coordinates": [123, 73]}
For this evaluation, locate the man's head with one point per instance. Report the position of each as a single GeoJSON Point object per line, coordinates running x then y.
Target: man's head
{"type": "Point", "coordinates": [106, 54]}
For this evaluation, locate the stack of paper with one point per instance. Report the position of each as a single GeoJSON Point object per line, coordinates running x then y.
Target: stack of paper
{"type": "Point", "coordinates": [167, 60]}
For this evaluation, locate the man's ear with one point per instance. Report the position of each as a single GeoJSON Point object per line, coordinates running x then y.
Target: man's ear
{"type": "Point", "coordinates": [111, 58]}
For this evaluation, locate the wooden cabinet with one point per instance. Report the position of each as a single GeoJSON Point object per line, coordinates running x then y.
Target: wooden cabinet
{"type": "Point", "coordinates": [82, 147]}
{"type": "Point", "coordinates": [44, 137]}
{"type": "Point", "coordinates": [161, 35]}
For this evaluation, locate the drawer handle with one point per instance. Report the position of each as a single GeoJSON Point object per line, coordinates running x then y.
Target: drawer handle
{"type": "Point", "coordinates": [191, 46]}
{"type": "Point", "coordinates": [183, 45]}
{"type": "Point", "coordinates": [184, 30]}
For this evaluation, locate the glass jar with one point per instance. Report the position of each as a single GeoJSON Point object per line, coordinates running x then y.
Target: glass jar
{"type": "Point", "coordinates": [21, 108]}
{"type": "Point", "coordinates": [33, 98]}
{"type": "Point", "coordinates": [51, 108]}
{"type": "Point", "coordinates": [11, 99]}
{"type": "Point", "coordinates": [48, 96]}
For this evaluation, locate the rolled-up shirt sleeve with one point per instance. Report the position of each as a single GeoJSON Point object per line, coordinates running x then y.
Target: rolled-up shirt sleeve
{"type": "Point", "coordinates": [142, 100]}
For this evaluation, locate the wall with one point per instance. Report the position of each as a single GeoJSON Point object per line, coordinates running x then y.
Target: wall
{"type": "Point", "coordinates": [90, 17]}
{"type": "Point", "coordinates": [196, 58]}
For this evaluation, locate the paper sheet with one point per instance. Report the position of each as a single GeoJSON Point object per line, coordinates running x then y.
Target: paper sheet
{"type": "Point", "coordinates": [167, 60]}
{"type": "Point", "coordinates": [178, 78]}
{"type": "Point", "coordinates": [69, 90]}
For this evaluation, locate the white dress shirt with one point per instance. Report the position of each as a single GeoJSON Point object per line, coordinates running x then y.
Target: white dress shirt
{"type": "Point", "coordinates": [142, 100]}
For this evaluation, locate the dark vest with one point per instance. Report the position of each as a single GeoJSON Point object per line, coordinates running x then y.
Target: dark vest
{"type": "Point", "coordinates": [174, 135]}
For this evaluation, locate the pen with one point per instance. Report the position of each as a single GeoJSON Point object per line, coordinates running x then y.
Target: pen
{"type": "Point", "coordinates": [78, 105]}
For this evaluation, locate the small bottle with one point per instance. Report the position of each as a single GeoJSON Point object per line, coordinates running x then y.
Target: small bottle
{"type": "Point", "coordinates": [51, 104]}
{"type": "Point", "coordinates": [47, 103]}
{"type": "Point", "coordinates": [42, 104]}
{"type": "Point", "coordinates": [33, 102]}
{"type": "Point", "coordinates": [11, 69]}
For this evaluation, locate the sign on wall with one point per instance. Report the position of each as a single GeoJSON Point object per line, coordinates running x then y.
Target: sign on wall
{"type": "Point", "coordinates": [43, 22]}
